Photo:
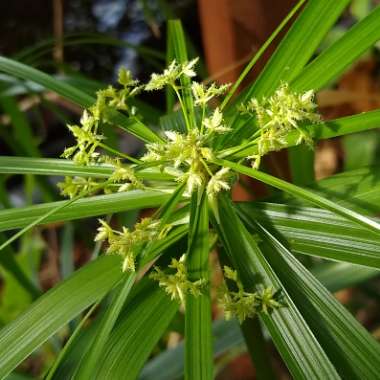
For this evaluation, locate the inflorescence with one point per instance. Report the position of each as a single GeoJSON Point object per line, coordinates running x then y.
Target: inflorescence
{"type": "Point", "coordinates": [190, 156]}
{"type": "Point", "coordinates": [242, 304]}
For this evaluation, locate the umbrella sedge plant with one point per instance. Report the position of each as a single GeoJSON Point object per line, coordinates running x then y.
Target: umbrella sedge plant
{"type": "Point", "coordinates": [161, 266]}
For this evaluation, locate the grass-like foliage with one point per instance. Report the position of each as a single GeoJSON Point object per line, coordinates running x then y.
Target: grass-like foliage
{"type": "Point", "coordinates": [161, 265]}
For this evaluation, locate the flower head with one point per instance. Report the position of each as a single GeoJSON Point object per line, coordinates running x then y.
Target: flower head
{"type": "Point", "coordinates": [214, 124]}
{"type": "Point", "coordinates": [218, 182]}
{"type": "Point", "coordinates": [177, 284]}
{"type": "Point", "coordinates": [171, 74]}
{"type": "Point", "coordinates": [242, 304]}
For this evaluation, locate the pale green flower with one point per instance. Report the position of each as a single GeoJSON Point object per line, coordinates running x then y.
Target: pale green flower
{"type": "Point", "coordinates": [218, 182]}
{"type": "Point", "coordinates": [171, 74]}
{"type": "Point", "coordinates": [177, 284]}
{"type": "Point", "coordinates": [242, 304]}
{"type": "Point", "coordinates": [203, 94]}
{"type": "Point", "coordinates": [214, 124]}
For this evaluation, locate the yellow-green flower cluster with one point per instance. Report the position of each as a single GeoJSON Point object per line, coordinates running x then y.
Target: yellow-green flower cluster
{"type": "Point", "coordinates": [242, 304]}
{"type": "Point", "coordinates": [126, 243]}
{"type": "Point", "coordinates": [177, 284]}
{"type": "Point", "coordinates": [203, 94]}
{"type": "Point", "coordinates": [190, 153]}
{"type": "Point", "coordinates": [279, 114]}
{"type": "Point", "coordinates": [88, 139]}
{"type": "Point", "coordinates": [123, 178]}
{"type": "Point", "coordinates": [171, 74]}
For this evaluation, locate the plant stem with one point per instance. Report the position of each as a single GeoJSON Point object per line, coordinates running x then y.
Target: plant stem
{"type": "Point", "coordinates": [182, 107]}
{"type": "Point", "coordinates": [123, 155]}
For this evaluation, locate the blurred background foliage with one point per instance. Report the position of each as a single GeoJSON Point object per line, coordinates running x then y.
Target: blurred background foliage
{"type": "Point", "coordinates": [85, 42]}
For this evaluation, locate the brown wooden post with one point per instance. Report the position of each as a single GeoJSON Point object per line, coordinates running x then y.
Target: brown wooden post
{"type": "Point", "coordinates": [232, 30]}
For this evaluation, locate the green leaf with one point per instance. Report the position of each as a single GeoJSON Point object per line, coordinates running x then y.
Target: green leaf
{"type": "Point", "coordinates": [337, 276]}
{"type": "Point", "coordinates": [305, 194]}
{"type": "Point", "coordinates": [358, 189]}
{"type": "Point", "coordinates": [316, 232]}
{"type": "Point", "coordinates": [298, 46]}
{"type": "Point", "coordinates": [334, 60]}
{"type": "Point", "coordinates": [139, 327]}
{"type": "Point", "coordinates": [320, 131]}
{"type": "Point", "coordinates": [10, 263]}
{"type": "Point", "coordinates": [169, 364]}
{"type": "Point", "coordinates": [83, 208]}
{"type": "Point", "coordinates": [258, 348]}
{"type": "Point", "coordinates": [60, 167]}
{"type": "Point", "coordinates": [54, 309]}
{"type": "Point", "coordinates": [93, 355]}
{"type": "Point", "coordinates": [296, 343]}
{"type": "Point", "coordinates": [360, 150]}
{"type": "Point", "coordinates": [178, 44]}
{"type": "Point", "coordinates": [198, 338]}
{"type": "Point", "coordinates": [301, 163]}
{"type": "Point", "coordinates": [69, 92]}
{"type": "Point", "coordinates": [354, 351]}
{"type": "Point", "coordinates": [69, 347]}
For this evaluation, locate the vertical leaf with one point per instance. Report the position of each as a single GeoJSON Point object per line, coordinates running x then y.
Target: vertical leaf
{"type": "Point", "coordinates": [178, 44]}
{"type": "Point", "coordinates": [198, 335]}
{"type": "Point", "coordinates": [294, 340]}
{"type": "Point", "coordinates": [355, 352]}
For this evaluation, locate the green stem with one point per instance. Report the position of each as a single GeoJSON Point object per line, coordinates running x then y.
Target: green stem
{"type": "Point", "coordinates": [183, 108]}
{"type": "Point", "coordinates": [206, 167]}
{"type": "Point", "coordinates": [118, 153]}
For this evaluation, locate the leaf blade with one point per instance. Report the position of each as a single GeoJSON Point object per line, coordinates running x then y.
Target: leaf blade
{"type": "Point", "coordinates": [35, 326]}
{"type": "Point", "coordinates": [198, 336]}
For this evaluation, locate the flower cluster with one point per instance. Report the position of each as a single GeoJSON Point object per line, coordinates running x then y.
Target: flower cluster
{"type": "Point", "coordinates": [171, 74]}
{"type": "Point", "coordinates": [204, 94]}
{"type": "Point", "coordinates": [126, 243]}
{"type": "Point", "coordinates": [279, 114]}
{"type": "Point", "coordinates": [242, 304]}
{"type": "Point", "coordinates": [191, 157]}
{"type": "Point", "coordinates": [88, 140]}
{"type": "Point", "coordinates": [177, 284]}
{"type": "Point", "coordinates": [190, 153]}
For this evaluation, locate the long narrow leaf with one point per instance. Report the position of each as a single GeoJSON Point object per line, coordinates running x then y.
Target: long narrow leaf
{"type": "Point", "coordinates": [304, 194]}
{"type": "Point", "coordinates": [334, 60]}
{"type": "Point", "coordinates": [326, 130]}
{"type": "Point", "coordinates": [296, 343]}
{"type": "Point", "coordinates": [316, 232]}
{"type": "Point", "coordinates": [83, 208]}
{"type": "Point", "coordinates": [178, 44]}
{"type": "Point", "coordinates": [54, 309]}
{"type": "Point", "coordinates": [94, 353]}
{"type": "Point", "coordinates": [69, 92]}
{"type": "Point", "coordinates": [198, 346]}
{"type": "Point", "coordinates": [298, 45]}
{"type": "Point", "coordinates": [355, 352]}
{"type": "Point", "coordinates": [138, 329]}
{"type": "Point", "coordinates": [60, 167]}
